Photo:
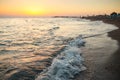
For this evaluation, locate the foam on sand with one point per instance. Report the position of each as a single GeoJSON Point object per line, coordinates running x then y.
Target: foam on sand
{"type": "Point", "coordinates": [66, 65]}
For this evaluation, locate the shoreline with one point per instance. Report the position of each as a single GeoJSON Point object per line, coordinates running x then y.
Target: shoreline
{"type": "Point", "coordinates": [115, 34]}
{"type": "Point", "coordinates": [113, 64]}
{"type": "Point", "coordinates": [109, 68]}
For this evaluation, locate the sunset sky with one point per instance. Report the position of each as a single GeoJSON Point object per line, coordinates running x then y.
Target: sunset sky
{"type": "Point", "coordinates": [57, 7]}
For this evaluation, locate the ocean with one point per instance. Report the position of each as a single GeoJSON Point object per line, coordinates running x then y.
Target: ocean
{"type": "Point", "coordinates": [29, 46]}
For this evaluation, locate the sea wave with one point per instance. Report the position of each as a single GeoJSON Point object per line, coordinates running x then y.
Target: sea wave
{"type": "Point", "coordinates": [66, 65]}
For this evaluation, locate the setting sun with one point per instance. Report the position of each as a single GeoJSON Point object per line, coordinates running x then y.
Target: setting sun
{"type": "Point", "coordinates": [34, 11]}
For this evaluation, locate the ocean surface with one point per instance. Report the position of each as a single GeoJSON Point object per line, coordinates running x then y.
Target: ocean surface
{"type": "Point", "coordinates": [28, 45]}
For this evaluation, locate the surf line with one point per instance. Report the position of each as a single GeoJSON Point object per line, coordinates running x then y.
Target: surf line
{"type": "Point", "coordinates": [67, 64]}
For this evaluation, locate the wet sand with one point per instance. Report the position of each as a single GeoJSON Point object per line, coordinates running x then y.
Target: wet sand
{"type": "Point", "coordinates": [106, 66]}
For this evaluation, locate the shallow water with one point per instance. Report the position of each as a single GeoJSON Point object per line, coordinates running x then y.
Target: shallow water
{"type": "Point", "coordinates": [27, 45]}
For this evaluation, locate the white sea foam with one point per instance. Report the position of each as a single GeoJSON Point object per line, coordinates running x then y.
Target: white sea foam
{"type": "Point", "coordinates": [66, 65]}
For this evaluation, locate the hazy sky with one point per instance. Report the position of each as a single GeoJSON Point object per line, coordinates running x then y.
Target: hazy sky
{"type": "Point", "coordinates": [57, 7]}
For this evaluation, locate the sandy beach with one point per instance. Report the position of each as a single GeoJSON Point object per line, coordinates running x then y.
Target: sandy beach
{"type": "Point", "coordinates": [106, 66]}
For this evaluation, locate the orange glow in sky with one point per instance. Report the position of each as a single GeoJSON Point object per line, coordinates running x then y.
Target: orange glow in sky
{"type": "Point", "coordinates": [57, 7]}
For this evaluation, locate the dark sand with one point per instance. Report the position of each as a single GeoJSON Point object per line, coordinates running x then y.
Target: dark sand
{"type": "Point", "coordinates": [106, 67]}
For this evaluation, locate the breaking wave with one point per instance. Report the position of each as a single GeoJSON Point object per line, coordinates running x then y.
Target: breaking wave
{"type": "Point", "coordinates": [66, 65]}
